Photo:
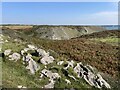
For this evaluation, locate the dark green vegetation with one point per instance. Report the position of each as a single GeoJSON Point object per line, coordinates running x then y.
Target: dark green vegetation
{"type": "Point", "coordinates": [99, 50]}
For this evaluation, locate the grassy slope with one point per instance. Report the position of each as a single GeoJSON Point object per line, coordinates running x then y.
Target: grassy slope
{"type": "Point", "coordinates": [95, 53]}
{"type": "Point", "coordinates": [86, 50]}
{"type": "Point", "coordinates": [100, 55]}
{"type": "Point", "coordinates": [14, 73]}
{"type": "Point", "coordinates": [110, 37]}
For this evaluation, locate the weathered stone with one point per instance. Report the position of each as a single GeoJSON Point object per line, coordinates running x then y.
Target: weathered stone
{"type": "Point", "coordinates": [89, 78]}
{"type": "Point", "coordinates": [22, 52]}
{"type": "Point", "coordinates": [6, 40]}
{"type": "Point", "coordinates": [14, 56]}
{"type": "Point", "coordinates": [47, 60]}
{"type": "Point", "coordinates": [20, 86]}
{"type": "Point", "coordinates": [102, 81]}
{"type": "Point", "coordinates": [28, 57]}
{"type": "Point", "coordinates": [92, 79]}
{"type": "Point", "coordinates": [52, 77]}
{"type": "Point", "coordinates": [33, 66]}
{"type": "Point", "coordinates": [32, 47]}
{"type": "Point", "coordinates": [70, 64]}
{"type": "Point", "coordinates": [42, 52]}
{"type": "Point", "coordinates": [7, 52]}
{"type": "Point", "coordinates": [78, 70]}
{"type": "Point", "coordinates": [67, 81]}
{"type": "Point", "coordinates": [49, 74]}
{"type": "Point", "coordinates": [60, 62]}
{"type": "Point", "coordinates": [26, 49]}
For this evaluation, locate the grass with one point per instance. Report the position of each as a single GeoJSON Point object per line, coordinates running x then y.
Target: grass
{"type": "Point", "coordinates": [109, 40]}
{"type": "Point", "coordinates": [100, 55]}
{"type": "Point", "coordinates": [15, 74]}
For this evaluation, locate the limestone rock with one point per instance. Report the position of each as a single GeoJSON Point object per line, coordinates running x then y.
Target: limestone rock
{"type": "Point", "coordinates": [67, 81]}
{"type": "Point", "coordinates": [26, 49]}
{"type": "Point", "coordinates": [22, 52]}
{"type": "Point", "coordinates": [91, 78]}
{"type": "Point", "coordinates": [7, 52]}
{"type": "Point", "coordinates": [102, 82]}
{"type": "Point", "coordinates": [42, 52]}
{"type": "Point", "coordinates": [32, 66]}
{"type": "Point", "coordinates": [49, 74]}
{"type": "Point", "coordinates": [6, 40]}
{"type": "Point", "coordinates": [70, 64]}
{"type": "Point", "coordinates": [52, 77]}
{"type": "Point", "coordinates": [60, 62]}
{"type": "Point", "coordinates": [14, 56]}
{"type": "Point", "coordinates": [28, 57]}
{"type": "Point", "coordinates": [20, 86]}
{"type": "Point", "coordinates": [47, 60]}
{"type": "Point", "coordinates": [32, 47]}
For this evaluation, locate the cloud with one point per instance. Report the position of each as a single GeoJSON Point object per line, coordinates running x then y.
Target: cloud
{"type": "Point", "coordinates": [100, 18]}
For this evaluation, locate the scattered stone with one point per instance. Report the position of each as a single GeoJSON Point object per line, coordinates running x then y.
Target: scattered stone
{"type": "Point", "coordinates": [47, 60]}
{"type": "Point", "coordinates": [20, 86]}
{"type": "Point", "coordinates": [14, 56]}
{"type": "Point", "coordinates": [82, 71]}
{"type": "Point", "coordinates": [6, 40]}
{"type": "Point", "coordinates": [42, 52]}
{"type": "Point", "coordinates": [41, 75]}
{"type": "Point", "coordinates": [26, 49]}
{"type": "Point", "coordinates": [92, 79]}
{"type": "Point", "coordinates": [60, 62]}
{"type": "Point", "coordinates": [7, 52]}
{"type": "Point", "coordinates": [102, 81]}
{"type": "Point", "coordinates": [51, 75]}
{"type": "Point", "coordinates": [28, 58]}
{"type": "Point", "coordinates": [67, 81]}
{"type": "Point", "coordinates": [45, 66]}
{"type": "Point", "coordinates": [17, 40]}
{"type": "Point", "coordinates": [32, 47]}
{"type": "Point", "coordinates": [70, 64]}
{"type": "Point", "coordinates": [22, 52]}
{"type": "Point", "coordinates": [33, 66]}
{"type": "Point", "coordinates": [89, 79]}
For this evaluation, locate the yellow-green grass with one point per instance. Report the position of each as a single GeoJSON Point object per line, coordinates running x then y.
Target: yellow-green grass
{"type": "Point", "coordinates": [110, 40]}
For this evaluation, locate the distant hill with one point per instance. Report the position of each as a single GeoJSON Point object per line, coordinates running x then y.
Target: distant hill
{"type": "Point", "coordinates": [56, 32]}
{"type": "Point", "coordinates": [65, 32]}
{"type": "Point", "coordinates": [103, 34]}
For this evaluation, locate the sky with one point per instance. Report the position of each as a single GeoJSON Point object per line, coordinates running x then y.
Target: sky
{"type": "Point", "coordinates": [60, 13]}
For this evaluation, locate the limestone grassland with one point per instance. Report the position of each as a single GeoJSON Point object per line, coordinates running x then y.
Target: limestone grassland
{"type": "Point", "coordinates": [102, 53]}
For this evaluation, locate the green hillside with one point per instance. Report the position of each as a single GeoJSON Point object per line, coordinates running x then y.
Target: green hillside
{"type": "Point", "coordinates": [99, 53]}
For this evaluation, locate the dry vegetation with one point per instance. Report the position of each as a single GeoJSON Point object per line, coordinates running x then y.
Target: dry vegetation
{"type": "Point", "coordinates": [100, 55]}
{"type": "Point", "coordinates": [27, 27]}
